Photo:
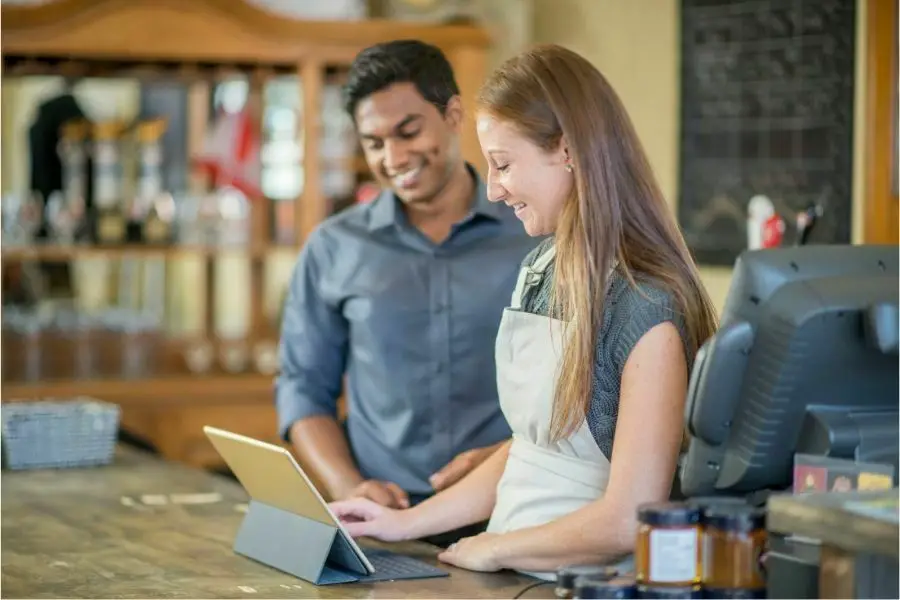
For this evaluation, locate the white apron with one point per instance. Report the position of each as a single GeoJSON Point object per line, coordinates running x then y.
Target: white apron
{"type": "Point", "coordinates": [542, 480]}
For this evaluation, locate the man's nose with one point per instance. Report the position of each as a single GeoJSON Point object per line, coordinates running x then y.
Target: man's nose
{"type": "Point", "coordinates": [396, 155]}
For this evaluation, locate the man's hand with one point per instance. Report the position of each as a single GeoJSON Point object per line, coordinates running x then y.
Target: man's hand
{"type": "Point", "coordinates": [457, 468]}
{"type": "Point", "coordinates": [385, 493]}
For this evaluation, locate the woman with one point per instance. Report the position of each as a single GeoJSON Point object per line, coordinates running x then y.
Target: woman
{"type": "Point", "coordinates": [593, 354]}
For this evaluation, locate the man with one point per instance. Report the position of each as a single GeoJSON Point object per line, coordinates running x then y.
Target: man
{"type": "Point", "coordinates": [402, 296]}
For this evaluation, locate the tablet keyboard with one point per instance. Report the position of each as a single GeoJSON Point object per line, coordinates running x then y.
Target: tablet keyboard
{"type": "Point", "coordinates": [390, 566]}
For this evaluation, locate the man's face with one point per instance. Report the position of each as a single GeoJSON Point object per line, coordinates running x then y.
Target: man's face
{"type": "Point", "coordinates": [410, 146]}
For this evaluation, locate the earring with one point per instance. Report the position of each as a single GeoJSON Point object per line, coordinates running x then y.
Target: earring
{"type": "Point", "coordinates": [568, 167]}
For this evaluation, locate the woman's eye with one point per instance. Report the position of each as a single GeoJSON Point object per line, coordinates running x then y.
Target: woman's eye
{"type": "Point", "coordinates": [502, 168]}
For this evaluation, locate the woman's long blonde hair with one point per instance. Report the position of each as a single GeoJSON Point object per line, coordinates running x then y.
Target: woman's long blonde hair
{"type": "Point", "coordinates": [617, 211]}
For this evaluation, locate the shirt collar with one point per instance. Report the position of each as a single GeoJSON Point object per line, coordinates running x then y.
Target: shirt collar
{"type": "Point", "coordinates": [385, 209]}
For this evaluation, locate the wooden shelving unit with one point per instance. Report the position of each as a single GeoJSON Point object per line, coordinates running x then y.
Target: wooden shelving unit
{"type": "Point", "coordinates": [202, 41]}
{"type": "Point", "coordinates": [61, 253]}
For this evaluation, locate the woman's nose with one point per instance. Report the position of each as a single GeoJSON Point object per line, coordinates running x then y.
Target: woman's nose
{"type": "Point", "coordinates": [495, 191]}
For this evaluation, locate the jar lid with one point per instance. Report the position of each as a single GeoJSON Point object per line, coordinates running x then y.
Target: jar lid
{"type": "Point", "coordinates": [567, 576]}
{"type": "Point", "coordinates": [619, 587]}
{"type": "Point", "coordinates": [669, 513]}
{"type": "Point", "coordinates": [735, 518]}
{"type": "Point", "coordinates": [689, 591]}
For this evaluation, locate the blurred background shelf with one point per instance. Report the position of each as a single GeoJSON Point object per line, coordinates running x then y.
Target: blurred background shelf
{"type": "Point", "coordinates": [136, 391]}
{"type": "Point", "coordinates": [60, 253]}
{"type": "Point", "coordinates": [125, 65]}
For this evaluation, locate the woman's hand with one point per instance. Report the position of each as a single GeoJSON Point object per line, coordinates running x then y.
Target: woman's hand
{"type": "Point", "coordinates": [362, 517]}
{"type": "Point", "coordinates": [476, 553]}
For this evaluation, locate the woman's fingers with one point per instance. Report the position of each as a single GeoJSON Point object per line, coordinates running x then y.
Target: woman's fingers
{"type": "Point", "coordinates": [356, 509]}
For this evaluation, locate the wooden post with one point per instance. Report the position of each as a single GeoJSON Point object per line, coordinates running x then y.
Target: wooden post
{"type": "Point", "coordinates": [469, 64]}
{"type": "Point", "coordinates": [880, 225]}
{"type": "Point", "coordinates": [259, 224]}
{"type": "Point", "coordinates": [312, 206]}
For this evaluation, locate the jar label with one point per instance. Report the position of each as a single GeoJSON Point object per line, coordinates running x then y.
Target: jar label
{"type": "Point", "coordinates": [673, 555]}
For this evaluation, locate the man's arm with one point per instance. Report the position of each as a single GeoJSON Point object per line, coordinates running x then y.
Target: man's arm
{"type": "Point", "coordinates": [322, 447]}
{"type": "Point", "coordinates": [313, 351]}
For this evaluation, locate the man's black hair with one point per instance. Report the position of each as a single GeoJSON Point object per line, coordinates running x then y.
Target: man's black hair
{"type": "Point", "coordinates": [400, 61]}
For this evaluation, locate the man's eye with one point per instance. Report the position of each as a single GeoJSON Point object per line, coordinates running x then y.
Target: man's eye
{"type": "Point", "coordinates": [408, 135]}
{"type": "Point", "coordinates": [373, 145]}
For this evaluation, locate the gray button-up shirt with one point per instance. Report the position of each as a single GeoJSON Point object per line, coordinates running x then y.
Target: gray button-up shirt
{"type": "Point", "coordinates": [412, 324]}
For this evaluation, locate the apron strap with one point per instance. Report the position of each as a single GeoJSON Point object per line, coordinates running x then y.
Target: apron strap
{"type": "Point", "coordinates": [530, 276]}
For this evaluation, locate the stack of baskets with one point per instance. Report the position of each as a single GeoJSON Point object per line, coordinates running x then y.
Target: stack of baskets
{"type": "Point", "coordinates": [58, 433]}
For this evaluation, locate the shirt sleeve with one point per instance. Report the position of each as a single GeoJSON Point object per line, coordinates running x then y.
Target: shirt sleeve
{"type": "Point", "coordinates": [313, 344]}
{"type": "Point", "coordinates": [634, 313]}
{"type": "Point", "coordinates": [645, 309]}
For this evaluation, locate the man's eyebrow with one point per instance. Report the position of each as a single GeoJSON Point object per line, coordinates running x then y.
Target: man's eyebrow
{"type": "Point", "coordinates": [408, 119]}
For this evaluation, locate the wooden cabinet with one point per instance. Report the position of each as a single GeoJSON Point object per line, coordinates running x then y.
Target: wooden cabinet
{"type": "Point", "coordinates": [201, 42]}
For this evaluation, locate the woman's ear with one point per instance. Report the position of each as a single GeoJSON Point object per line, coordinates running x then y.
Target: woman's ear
{"type": "Point", "coordinates": [565, 157]}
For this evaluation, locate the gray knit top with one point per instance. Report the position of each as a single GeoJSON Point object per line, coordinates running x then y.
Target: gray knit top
{"type": "Point", "coordinates": [629, 313]}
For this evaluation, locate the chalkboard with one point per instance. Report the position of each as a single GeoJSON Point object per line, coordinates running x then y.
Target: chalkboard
{"type": "Point", "coordinates": [766, 108]}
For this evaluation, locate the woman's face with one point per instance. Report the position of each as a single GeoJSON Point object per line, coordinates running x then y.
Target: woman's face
{"type": "Point", "coordinates": [533, 181]}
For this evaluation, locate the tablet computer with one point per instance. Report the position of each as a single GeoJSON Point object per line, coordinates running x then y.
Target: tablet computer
{"type": "Point", "coordinates": [271, 476]}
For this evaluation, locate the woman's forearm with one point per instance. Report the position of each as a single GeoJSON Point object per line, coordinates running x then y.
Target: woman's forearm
{"type": "Point", "coordinates": [598, 532]}
{"type": "Point", "coordinates": [469, 501]}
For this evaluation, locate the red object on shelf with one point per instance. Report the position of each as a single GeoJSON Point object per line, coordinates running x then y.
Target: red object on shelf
{"type": "Point", "coordinates": [773, 232]}
{"type": "Point", "coordinates": [231, 153]}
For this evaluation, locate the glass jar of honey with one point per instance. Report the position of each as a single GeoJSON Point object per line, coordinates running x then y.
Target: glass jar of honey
{"type": "Point", "coordinates": [668, 550]}
{"type": "Point", "coordinates": [734, 540]}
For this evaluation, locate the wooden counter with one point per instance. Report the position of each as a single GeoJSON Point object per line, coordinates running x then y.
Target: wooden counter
{"type": "Point", "coordinates": [145, 528]}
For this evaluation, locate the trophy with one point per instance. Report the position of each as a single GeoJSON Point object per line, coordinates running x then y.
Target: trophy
{"type": "Point", "coordinates": [21, 219]}
{"type": "Point", "coordinates": [66, 207]}
{"type": "Point", "coordinates": [152, 210]}
{"type": "Point", "coordinates": [108, 183]}
{"type": "Point", "coordinates": [64, 218]}
{"type": "Point", "coordinates": [234, 355]}
{"type": "Point", "coordinates": [199, 356]}
{"type": "Point", "coordinates": [232, 217]}
{"type": "Point", "coordinates": [265, 357]}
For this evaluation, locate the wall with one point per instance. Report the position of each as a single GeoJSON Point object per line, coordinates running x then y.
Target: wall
{"type": "Point", "coordinates": [636, 45]}
{"type": "Point", "coordinates": [510, 23]}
